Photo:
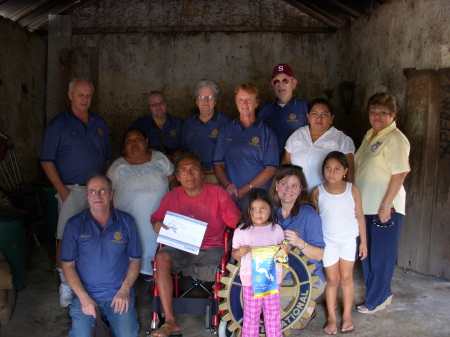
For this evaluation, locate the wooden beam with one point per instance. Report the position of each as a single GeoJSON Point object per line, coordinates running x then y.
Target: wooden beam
{"type": "Point", "coordinates": [200, 29]}
{"type": "Point", "coordinates": [349, 10]}
{"type": "Point", "coordinates": [316, 13]}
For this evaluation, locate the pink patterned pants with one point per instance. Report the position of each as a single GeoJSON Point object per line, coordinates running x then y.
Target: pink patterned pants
{"type": "Point", "coordinates": [252, 312]}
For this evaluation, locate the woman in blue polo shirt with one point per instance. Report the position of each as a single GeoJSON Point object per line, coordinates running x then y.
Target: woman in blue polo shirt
{"type": "Point", "coordinates": [246, 153]}
{"type": "Point", "coordinates": [301, 223]}
{"type": "Point", "coordinates": [200, 132]}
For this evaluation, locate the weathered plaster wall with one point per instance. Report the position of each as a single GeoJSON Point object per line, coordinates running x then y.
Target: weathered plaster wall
{"type": "Point", "coordinates": [373, 52]}
{"type": "Point", "coordinates": [22, 92]}
{"type": "Point", "coordinates": [145, 46]}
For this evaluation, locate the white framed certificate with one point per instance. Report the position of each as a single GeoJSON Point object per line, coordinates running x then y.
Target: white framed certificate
{"type": "Point", "coordinates": [183, 232]}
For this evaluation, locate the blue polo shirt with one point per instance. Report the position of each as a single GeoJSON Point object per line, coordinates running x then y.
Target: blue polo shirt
{"type": "Point", "coordinates": [171, 130]}
{"type": "Point", "coordinates": [285, 120]}
{"type": "Point", "coordinates": [101, 255]}
{"type": "Point", "coordinates": [246, 151]}
{"type": "Point", "coordinates": [309, 225]}
{"type": "Point", "coordinates": [201, 137]}
{"type": "Point", "coordinates": [77, 150]}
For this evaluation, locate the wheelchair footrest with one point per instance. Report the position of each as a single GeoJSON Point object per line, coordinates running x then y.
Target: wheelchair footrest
{"type": "Point", "coordinates": [189, 305]}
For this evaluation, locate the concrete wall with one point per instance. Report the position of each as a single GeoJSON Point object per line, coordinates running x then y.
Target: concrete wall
{"type": "Point", "coordinates": [22, 96]}
{"type": "Point", "coordinates": [160, 45]}
{"type": "Point", "coordinates": [374, 50]}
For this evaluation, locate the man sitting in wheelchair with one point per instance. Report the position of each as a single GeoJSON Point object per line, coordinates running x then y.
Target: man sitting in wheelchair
{"type": "Point", "coordinates": [202, 201]}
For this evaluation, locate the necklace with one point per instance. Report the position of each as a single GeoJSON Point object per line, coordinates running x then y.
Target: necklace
{"type": "Point", "coordinates": [328, 189]}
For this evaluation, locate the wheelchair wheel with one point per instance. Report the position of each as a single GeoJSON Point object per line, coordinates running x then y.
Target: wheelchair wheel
{"type": "Point", "coordinates": [297, 289]}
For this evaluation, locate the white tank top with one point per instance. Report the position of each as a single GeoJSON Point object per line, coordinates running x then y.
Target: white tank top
{"type": "Point", "coordinates": [338, 215]}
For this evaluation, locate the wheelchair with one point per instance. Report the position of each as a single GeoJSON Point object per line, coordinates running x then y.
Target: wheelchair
{"type": "Point", "coordinates": [182, 304]}
{"type": "Point", "coordinates": [297, 289]}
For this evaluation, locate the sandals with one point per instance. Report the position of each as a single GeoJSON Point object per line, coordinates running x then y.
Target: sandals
{"type": "Point", "coordinates": [166, 330]}
{"type": "Point", "coordinates": [304, 321]}
{"type": "Point", "coordinates": [364, 310]}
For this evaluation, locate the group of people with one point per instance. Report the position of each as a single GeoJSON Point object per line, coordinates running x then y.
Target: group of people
{"type": "Point", "coordinates": [230, 176]}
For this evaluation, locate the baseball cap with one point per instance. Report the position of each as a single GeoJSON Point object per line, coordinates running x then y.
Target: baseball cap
{"type": "Point", "coordinates": [282, 68]}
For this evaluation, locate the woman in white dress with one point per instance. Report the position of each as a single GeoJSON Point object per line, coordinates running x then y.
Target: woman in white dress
{"type": "Point", "coordinates": [308, 146]}
{"type": "Point", "coordinates": [140, 179]}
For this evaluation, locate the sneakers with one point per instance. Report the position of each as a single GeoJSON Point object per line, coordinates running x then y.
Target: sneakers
{"type": "Point", "coordinates": [65, 295]}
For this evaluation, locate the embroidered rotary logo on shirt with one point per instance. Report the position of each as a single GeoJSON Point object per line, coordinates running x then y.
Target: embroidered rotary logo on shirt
{"type": "Point", "coordinates": [173, 133]}
{"type": "Point", "coordinates": [375, 146]}
{"type": "Point", "coordinates": [255, 141]}
{"type": "Point", "coordinates": [100, 132]}
{"type": "Point", "coordinates": [117, 235]}
{"type": "Point", "coordinates": [292, 118]}
{"type": "Point", "coordinates": [214, 133]}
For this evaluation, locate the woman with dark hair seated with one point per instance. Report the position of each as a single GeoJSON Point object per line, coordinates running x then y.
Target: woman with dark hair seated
{"type": "Point", "coordinates": [140, 179]}
{"type": "Point", "coordinates": [300, 221]}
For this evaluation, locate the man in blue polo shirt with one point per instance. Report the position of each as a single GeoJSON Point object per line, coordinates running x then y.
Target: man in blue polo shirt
{"type": "Point", "coordinates": [75, 146]}
{"type": "Point", "coordinates": [101, 253]}
{"type": "Point", "coordinates": [286, 114]}
{"type": "Point", "coordinates": [163, 130]}
{"type": "Point", "coordinates": [200, 131]}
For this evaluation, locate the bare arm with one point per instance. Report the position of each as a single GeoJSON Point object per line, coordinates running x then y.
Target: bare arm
{"type": "Point", "coordinates": [257, 181]}
{"type": "Point", "coordinates": [121, 300]}
{"type": "Point", "coordinates": [361, 222]}
{"type": "Point", "coordinates": [87, 303]}
{"type": "Point", "coordinates": [237, 253]}
{"type": "Point", "coordinates": [53, 176]}
{"type": "Point", "coordinates": [310, 251]}
{"type": "Point", "coordinates": [286, 159]}
{"type": "Point", "coordinates": [396, 182]}
{"type": "Point", "coordinates": [351, 167]}
{"type": "Point", "coordinates": [315, 197]}
{"type": "Point", "coordinates": [222, 176]}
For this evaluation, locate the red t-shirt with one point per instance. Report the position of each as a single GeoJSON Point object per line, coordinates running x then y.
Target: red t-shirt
{"type": "Point", "coordinates": [213, 205]}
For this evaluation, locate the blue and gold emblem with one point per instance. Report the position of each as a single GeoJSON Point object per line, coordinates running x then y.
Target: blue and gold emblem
{"type": "Point", "coordinates": [255, 140]}
{"type": "Point", "coordinates": [292, 116]}
{"type": "Point", "coordinates": [173, 133]}
{"type": "Point", "coordinates": [117, 236]}
{"type": "Point", "coordinates": [100, 132]}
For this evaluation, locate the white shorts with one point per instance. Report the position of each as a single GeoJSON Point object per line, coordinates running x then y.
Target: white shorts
{"type": "Point", "coordinates": [336, 250]}
{"type": "Point", "coordinates": [75, 203]}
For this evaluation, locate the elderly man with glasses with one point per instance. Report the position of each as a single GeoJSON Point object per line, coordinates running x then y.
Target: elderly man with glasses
{"type": "Point", "coordinates": [286, 114]}
{"type": "Point", "coordinates": [163, 130]}
{"type": "Point", "coordinates": [101, 254]}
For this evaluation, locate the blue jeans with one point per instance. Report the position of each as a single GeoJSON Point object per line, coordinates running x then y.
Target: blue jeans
{"type": "Point", "coordinates": [125, 325]}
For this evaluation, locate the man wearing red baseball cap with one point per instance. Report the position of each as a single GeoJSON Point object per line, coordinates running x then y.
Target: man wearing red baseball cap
{"type": "Point", "coordinates": [286, 114]}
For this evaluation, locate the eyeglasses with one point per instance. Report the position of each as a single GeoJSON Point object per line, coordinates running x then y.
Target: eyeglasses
{"type": "Point", "coordinates": [386, 224]}
{"type": "Point", "coordinates": [209, 98]}
{"type": "Point", "coordinates": [379, 113]}
{"type": "Point", "coordinates": [154, 104]}
{"type": "Point", "coordinates": [102, 192]}
{"type": "Point", "coordinates": [284, 81]}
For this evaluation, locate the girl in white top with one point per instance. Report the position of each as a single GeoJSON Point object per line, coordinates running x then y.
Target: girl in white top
{"type": "Point", "coordinates": [340, 207]}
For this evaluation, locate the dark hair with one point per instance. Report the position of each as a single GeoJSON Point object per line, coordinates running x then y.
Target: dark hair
{"type": "Point", "coordinates": [384, 99]}
{"type": "Point", "coordinates": [138, 130]}
{"type": "Point", "coordinates": [303, 199]}
{"type": "Point", "coordinates": [321, 101]}
{"type": "Point", "coordinates": [191, 155]}
{"type": "Point", "coordinates": [340, 157]}
{"type": "Point", "coordinates": [253, 195]}
{"type": "Point", "coordinates": [102, 176]}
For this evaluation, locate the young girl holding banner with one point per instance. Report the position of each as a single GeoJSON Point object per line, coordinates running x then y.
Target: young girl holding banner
{"type": "Point", "coordinates": [260, 277]}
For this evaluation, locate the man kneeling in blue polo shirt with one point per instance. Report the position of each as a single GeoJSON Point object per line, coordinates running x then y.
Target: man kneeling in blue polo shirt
{"type": "Point", "coordinates": [101, 254]}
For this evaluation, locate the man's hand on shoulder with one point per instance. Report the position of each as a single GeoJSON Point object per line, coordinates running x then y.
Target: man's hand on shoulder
{"type": "Point", "coordinates": [121, 301]}
{"type": "Point", "coordinates": [157, 226]}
